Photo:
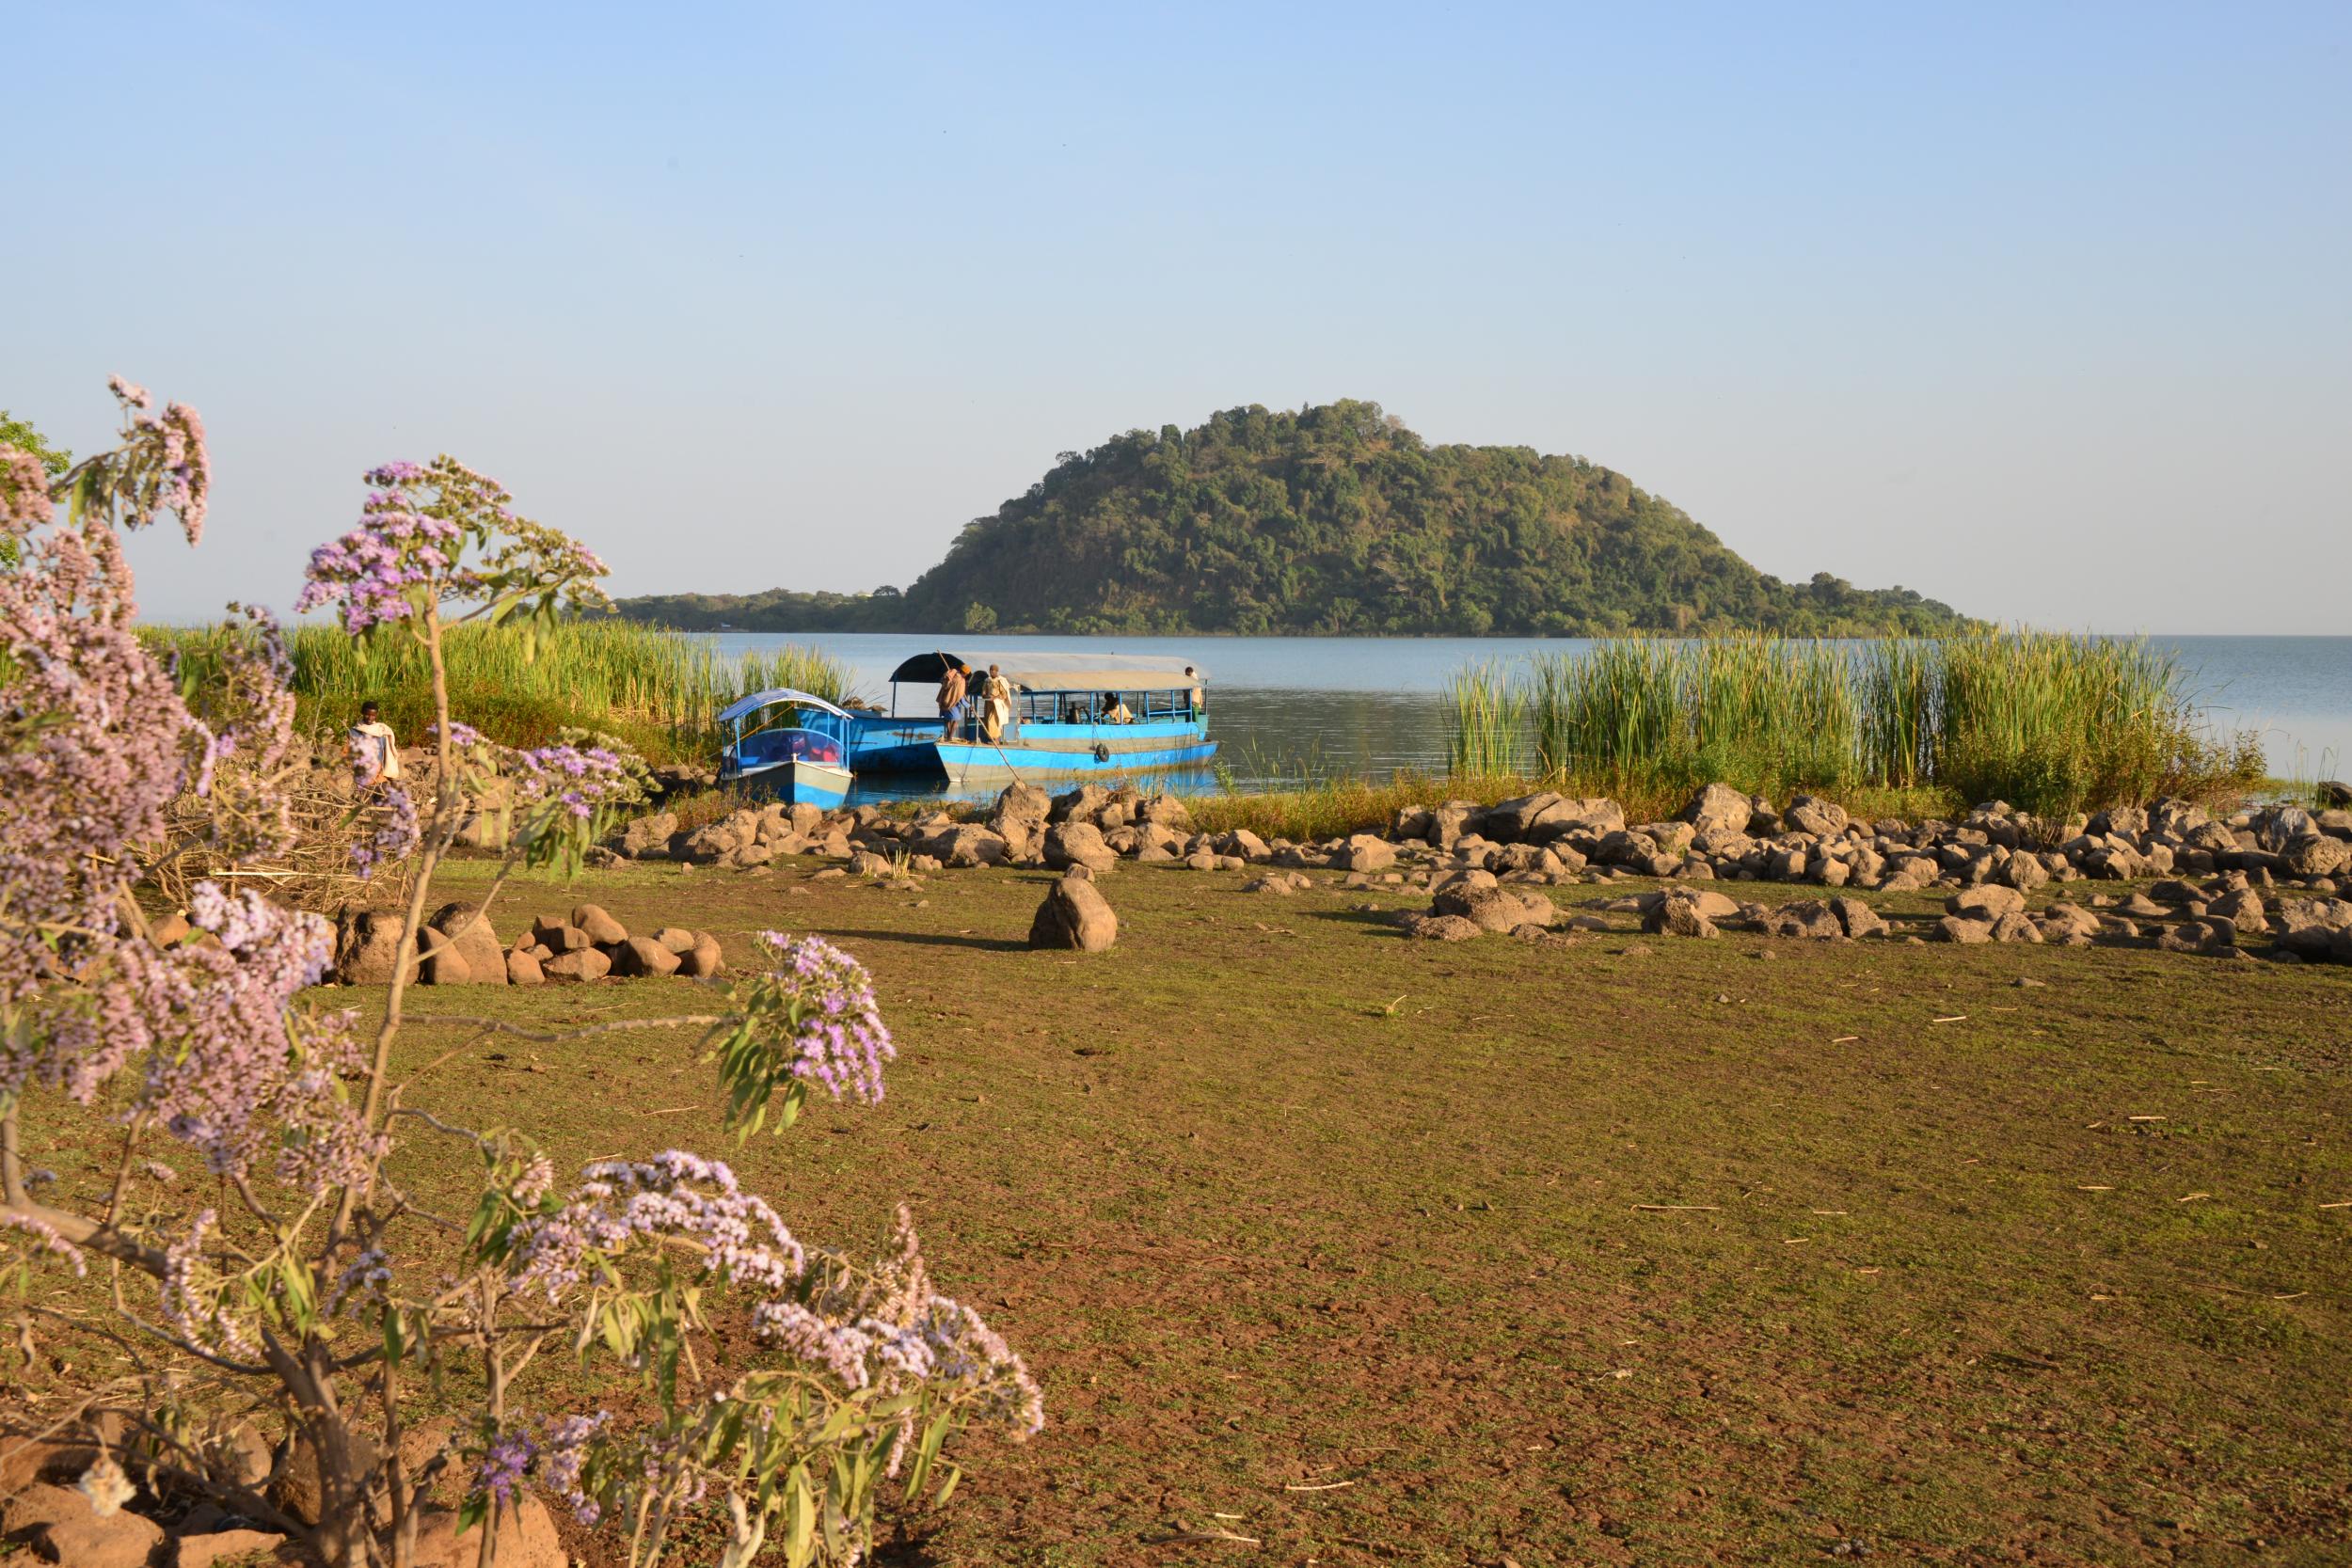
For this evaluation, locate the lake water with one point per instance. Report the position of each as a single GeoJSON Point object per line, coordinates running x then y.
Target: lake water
{"type": "Point", "coordinates": [1282, 707]}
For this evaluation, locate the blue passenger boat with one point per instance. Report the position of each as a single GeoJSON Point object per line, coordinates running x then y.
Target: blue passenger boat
{"type": "Point", "coordinates": [792, 744]}
{"type": "Point", "coordinates": [1070, 714]}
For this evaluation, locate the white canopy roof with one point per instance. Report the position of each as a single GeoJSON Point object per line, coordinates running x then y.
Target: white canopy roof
{"type": "Point", "coordinates": [770, 698]}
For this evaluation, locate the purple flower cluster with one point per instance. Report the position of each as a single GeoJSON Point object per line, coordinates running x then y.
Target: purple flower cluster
{"type": "Point", "coordinates": [410, 549]}
{"type": "Point", "coordinates": [195, 1303]}
{"type": "Point", "coordinates": [536, 1180]}
{"type": "Point", "coordinates": [45, 1238]}
{"type": "Point", "coordinates": [233, 1068]}
{"type": "Point", "coordinates": [164, 465]}
{"type": "Point", "coordinates": [186, 482]}
{"type": "Point", "coordinates": [562, 1455]}
{"type": "Point", "coordinates": [24, 502]}
{"type": "Point", "coordinates": [832, 1025]}
{"type": "Point", "coordinates": [395, 835]}
{"type": "Point", "coordinates": [361, 1284]}
{"type": "Point", "coordinates": [675, 1196]}
{"type": "Point", "coordinates": [569, 780]}
{"type": "Point", "coordinates": [377, 571]}
{"type": "Point", "coordinates": [504, 1464]}
{"type": "Point", "coordinates": [838, 1348]}
{"type": "Point", "coordinates": [93, 747]}
{"type": "Point", "coordinates": [914, 1334]}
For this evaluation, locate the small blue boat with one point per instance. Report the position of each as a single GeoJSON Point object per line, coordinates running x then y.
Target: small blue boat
{"type": "Point", "coordinates": [1070, 714]}
{"type": "Point", "coordinates": [802, 757]}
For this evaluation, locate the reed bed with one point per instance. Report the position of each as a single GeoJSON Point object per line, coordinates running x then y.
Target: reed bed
{"type": "Point", "coordinates": [2050, 721]}
{"type": "Point", "coordinates": [1487, 723]}
{"type": "Point", "coordinates": [656, 689]}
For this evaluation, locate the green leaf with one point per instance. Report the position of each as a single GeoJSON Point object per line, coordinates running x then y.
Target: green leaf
{"type": "Point", "coordinates": [800, 1519]}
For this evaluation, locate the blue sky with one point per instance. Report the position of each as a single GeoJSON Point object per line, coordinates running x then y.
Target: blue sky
{"type": "Point", "coordinates": [2041, 311]}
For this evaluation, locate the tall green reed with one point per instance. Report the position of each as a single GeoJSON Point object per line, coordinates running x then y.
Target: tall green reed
{"type": "Point", "coordinates": [1487, 723]}
{"type": "Point", "coordinates": [659, 689]}
{"type": "Point", "coordinates": [2049, 721]}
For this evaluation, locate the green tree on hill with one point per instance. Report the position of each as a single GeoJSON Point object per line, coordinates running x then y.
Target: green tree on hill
{"type": "Point", "coordinates": [1335, 519]}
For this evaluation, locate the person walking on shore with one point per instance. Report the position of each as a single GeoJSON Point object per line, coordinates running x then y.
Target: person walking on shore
{"type": "Point", "coordinates": [952, 687]}
{"type": "Point", "coordinates": [374, 751]}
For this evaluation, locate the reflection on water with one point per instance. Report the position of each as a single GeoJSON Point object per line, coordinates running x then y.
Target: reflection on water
{"type": "Point", "coordinates": [1287, 708]}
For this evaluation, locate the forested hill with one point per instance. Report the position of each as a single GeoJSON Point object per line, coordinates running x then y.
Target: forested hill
{"type": "Point", "coordinates": [1335, 519]}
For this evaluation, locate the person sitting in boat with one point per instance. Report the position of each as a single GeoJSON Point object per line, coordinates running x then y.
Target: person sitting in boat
{"type": "Point", "coordinates": [953, 683]}
{"type": "Point", "coordinates": [1115, 711]}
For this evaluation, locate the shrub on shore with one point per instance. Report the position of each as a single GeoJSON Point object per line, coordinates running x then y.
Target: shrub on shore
{"type": "Point", "coordinates": [323, 1301]}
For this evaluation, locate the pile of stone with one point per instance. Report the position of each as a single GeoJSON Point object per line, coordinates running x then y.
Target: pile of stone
{"type": "Point", "coordinates": [45, 1511]}
{"type": "Point", "coordinates": [457, 947]}
{"type": "Point", "coordinates": [1471, 902]}
{"type": "Point", "coordinates": [2175, 916]}
{"type": "Point", "coordinates": [1550, 839]}
{"type": "Point", "coordinates": [1088, 826]}
{"type": "Point", "coordinates": [1725, 835]}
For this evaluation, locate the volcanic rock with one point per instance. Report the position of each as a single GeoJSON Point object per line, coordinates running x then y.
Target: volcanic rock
{"type": "Point", "coordinates": [1074, 914]}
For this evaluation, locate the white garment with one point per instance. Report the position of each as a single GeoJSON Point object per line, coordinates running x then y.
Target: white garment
{"type": "Point", "coordinates": [375, 743]}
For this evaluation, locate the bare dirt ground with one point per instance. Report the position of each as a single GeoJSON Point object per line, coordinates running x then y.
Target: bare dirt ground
{"type": "Point", "coordinates": [1611, 1250]}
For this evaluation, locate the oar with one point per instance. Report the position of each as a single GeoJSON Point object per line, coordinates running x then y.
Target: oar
{"type": "Point", "coordinates": [1000, 744]}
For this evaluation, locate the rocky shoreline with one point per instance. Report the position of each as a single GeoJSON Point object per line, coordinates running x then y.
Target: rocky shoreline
{"type": "Point", "coordinates": [2274, 871]}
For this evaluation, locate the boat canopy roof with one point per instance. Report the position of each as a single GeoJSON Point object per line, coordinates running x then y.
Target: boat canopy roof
{"type": "Point", "coordinates": [770, 698]}
{"type": "Point", "coordinates": [1036, 672]}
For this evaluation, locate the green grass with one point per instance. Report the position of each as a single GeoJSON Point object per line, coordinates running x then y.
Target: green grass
{"type": "Point", "coordinates": [657, 689]}
{"type": "Point", "coordinates": [1336, 806]}
{"type": "Point", "coordinates": [1273, 1198]}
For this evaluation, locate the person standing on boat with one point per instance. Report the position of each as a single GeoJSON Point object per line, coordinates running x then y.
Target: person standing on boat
{"type": "Point", "coordinates": [374, 752]}
{"type": "Point", "coordinates": [952, 685]}
{"type": "Point", "coordinates": [1199, 698]}
{"type": "Point", "coordinates": [995, 705]}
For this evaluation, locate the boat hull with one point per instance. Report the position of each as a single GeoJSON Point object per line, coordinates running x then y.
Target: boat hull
{"type": "Point", "coordinates": [796, 782]}
{"type": "Point", "coordinates": [970, 762]}
{"type": "Point", "coordinates": [903, 747]}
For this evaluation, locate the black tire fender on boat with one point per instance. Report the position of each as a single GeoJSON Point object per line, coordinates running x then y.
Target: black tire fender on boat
{"type": "Point", "coordinates": [1102, 752]}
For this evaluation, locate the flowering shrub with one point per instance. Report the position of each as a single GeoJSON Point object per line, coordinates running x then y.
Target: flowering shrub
{"type": "Point", "coordinates": [820, 1024]}
{"type": "Point", "coordinates": [311, 1275]}
{"type": "Point", "coordinates": [410, 552]}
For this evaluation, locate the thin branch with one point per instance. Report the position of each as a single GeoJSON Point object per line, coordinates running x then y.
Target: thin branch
{"type": "Point", "coordinates": [243, 1368]}
{"type": "Point", "coordinates": [122, 1168]}
{"type": "Point", "coordinates": [83, 1232]}
{"type": "Point", "coordinates": [439, 1125]}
